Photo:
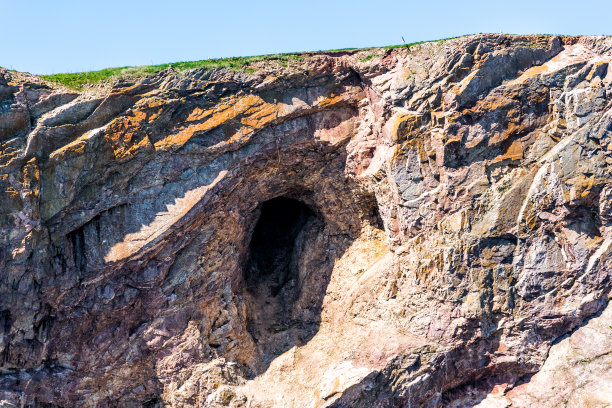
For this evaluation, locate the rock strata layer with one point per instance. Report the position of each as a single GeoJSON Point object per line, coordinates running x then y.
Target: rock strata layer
{"type": "Point", "coordinates": [413, 227]}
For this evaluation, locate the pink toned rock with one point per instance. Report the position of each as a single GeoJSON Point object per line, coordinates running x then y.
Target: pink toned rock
{"type": "Point", "coordinates": [418, 227]}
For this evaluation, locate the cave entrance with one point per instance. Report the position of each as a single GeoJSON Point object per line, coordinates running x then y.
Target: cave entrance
{"type": "Point", "coordinates": [271, 250]}
{"type": "Point", "coordinates": [277, 270]}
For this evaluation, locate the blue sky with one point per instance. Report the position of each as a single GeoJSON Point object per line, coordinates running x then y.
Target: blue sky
{"type": "Point", "coordinates": [54, 36]}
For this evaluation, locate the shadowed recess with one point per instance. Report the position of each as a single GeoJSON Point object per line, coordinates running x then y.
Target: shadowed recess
{"type": "Point", "coordinates": [273, 242]}
{"type": "Point", "coordinates": [286, 276]}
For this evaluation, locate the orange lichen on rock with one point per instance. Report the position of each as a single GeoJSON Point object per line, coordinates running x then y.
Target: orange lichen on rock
{"type": "Point", "coordinates": [330, 101]}
{"type": "Point", "coordinates": [31, 178]}
{"type": "Point", "coordinates": [257, 113]}
{"type": "Point", "coordinates": [514, 152]}
{"type": "Point", "coordinates": [260, 115]}
{"type": "Point", "coordinates": [251, 111]}
{"type": "Point", "coordinates": [126, 137]}
{"type": "Point", "coordinates": [12, 193]}
{"type": "Point", "coordinates": [149, 109]}
{"type": "Point", "coordinates": [406, 125]}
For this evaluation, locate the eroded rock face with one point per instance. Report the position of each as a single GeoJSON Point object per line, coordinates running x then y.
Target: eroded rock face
{"type": "Point", "coordinates": [377, 228]}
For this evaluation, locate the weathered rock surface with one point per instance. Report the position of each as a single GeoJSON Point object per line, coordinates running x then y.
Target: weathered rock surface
{"type": "Point", "coordinates": [375, 228]}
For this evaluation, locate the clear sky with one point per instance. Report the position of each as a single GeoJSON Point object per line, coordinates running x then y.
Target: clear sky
{"type": "Point", "coordinates": [53, 36]}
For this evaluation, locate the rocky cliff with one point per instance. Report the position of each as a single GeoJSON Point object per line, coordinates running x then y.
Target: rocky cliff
{"type": "Point", "coordinates": [424, 226]}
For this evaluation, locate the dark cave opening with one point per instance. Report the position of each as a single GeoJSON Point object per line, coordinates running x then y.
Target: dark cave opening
{"type": "Point", "coordinates": [373, 212]}
{"type": "Point", "coordinates": [273, 243]}
{"type": "Point", "coordinates": [285, 276]}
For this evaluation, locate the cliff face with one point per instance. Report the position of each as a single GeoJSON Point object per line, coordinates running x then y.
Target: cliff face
{"type": "Point", "coordinates": [376, 228]}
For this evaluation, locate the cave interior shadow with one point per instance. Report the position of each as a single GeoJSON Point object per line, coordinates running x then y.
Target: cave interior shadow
{"type": "Point", "coordinates": [291, 255]}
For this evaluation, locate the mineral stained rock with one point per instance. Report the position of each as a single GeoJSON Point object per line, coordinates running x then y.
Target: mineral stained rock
{"type": "Point", "coordinates": [413, 227]}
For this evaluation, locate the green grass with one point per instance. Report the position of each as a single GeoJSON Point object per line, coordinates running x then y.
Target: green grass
{"type": "Point", "coordinates": [505, 186]}
{"type": "Point", "coordinates": [79, 80]}
{"type": "Point", "coordinates": [409, 45]}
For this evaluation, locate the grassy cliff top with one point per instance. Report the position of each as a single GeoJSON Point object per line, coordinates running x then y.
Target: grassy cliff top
{"type": "Point", "coordinates": [79, 80]}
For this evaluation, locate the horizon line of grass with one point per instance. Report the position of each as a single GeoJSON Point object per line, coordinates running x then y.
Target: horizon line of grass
{"type": "Point", "coordinates": [78, 80]}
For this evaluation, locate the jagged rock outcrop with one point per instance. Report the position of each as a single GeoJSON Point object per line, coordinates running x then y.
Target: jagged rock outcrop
{"type": "Point", "coordinates": [372, 228]}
